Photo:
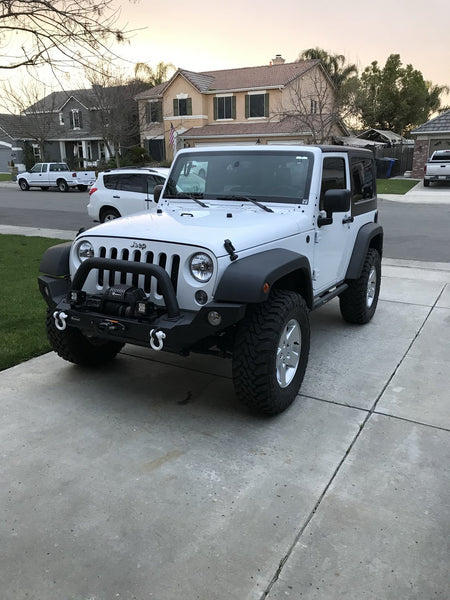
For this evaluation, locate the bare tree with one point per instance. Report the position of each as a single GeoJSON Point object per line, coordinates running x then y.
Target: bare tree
{"type": "Point", "coordinates": [116, 109]}
{"type": "Point", "coordinates": [59, 33]}
{"type": "Point", "coordinates": [32, 119]}
{"type": "Point", "coordinates": [312, 103]}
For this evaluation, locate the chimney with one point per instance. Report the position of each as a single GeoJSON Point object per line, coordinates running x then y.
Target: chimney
{"type": "Point", "coordinates": [278, 60]}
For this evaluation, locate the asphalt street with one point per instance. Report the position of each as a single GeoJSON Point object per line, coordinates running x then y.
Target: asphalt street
{"type": "Point", "coordinates": [413, 230]}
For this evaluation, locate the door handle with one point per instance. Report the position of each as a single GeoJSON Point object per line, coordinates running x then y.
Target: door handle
{"type": "Point", "coordinates": [116, 196]}
{"type": "Point", "coordinates": [348, 220]}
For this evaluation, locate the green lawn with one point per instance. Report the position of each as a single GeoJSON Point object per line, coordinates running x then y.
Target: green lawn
{"type": "Point", "coordinates": [395, 186]}
{"type": "Point", "coordinates": [5, 177]}
{"type": "Point", "coordinates": [22, 308]}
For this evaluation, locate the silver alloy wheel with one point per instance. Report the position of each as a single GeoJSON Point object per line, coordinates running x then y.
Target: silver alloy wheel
{"type": "Point", "coordinates": [110, 217]}
{"type": "Point", "coordinates": [288, 353]}
{"type": "Point", "coordinates": [371, 286]}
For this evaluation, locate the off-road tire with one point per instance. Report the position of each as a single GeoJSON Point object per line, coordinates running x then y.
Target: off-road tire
{"type": "Point", "coordinates": [109, 214]}
{"type": "Point", "coordinates": [73, 346]}
{"type": "Point", "coordinates": [259, 353]}
{"type": "Point", "coordinates": [23, 184]}
{"type": "Point", "coordinates": [359, 301]}
{"type": "Point", "coordinates": [62, 185]}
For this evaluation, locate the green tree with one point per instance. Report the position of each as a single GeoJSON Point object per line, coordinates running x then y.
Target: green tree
{"type": "Point", "coordinates": [396, 98]}
{"type": "Point", "coordinates": [153, 75]}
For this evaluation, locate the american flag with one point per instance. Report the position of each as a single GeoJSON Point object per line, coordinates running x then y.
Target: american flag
{"type": "Point", "coordinates": [171, 134]}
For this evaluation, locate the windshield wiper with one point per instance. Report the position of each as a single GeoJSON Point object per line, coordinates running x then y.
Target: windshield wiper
{"type": "Point", "coordinates": [246, 199]}
{"type": "Point", "coordinates": [193, 196]}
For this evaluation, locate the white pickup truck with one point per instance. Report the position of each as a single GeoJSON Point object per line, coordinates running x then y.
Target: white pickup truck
{"type": "Point", "coordinates": [55, 174]}
{"type": "Point", "coordinates": [437, 167]}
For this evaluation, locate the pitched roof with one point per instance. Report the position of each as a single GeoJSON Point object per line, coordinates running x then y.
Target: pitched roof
{"type": "Point", "coordinates": [245, 78]}
{"type": "Point", "coordinates": [440, 124]}
{"type": "Point", "coordinates": [288, 126]}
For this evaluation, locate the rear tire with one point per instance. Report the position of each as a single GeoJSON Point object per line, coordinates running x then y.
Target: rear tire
{"type": "Point", "coordinates": [62, 185]}
{"type": "Point", "coordinates": [359, 301]}
{"type": "Point", "coordinates": [73, 346]}
{"type": "Point", "coordinates": [109, 214]}
{"type": "Point", "coordinates": [23, 184]}
{"type": "Point", "coordinates": [426, 183]}
{"type": "Point", "coordinates": [271, 353]}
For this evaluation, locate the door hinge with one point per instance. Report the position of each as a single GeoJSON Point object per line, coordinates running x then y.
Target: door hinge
{"type": "Point", "coordinates": [317, 237]}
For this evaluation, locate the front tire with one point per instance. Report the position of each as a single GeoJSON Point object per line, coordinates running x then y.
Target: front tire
{"type": "Point", "coordinates": [271, 353]}
{"type": "Point", "coordinates": [23, 184]}
{"type": "Point", "coordinates": [359, 301]}
{"type": "Point", "coordinates": [73, 346]}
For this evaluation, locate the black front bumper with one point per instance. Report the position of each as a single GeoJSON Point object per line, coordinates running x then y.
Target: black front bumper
{"type": "Point", "coordinates": [182, 329]}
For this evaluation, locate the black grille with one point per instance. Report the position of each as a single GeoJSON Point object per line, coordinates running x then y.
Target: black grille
{"type": "Point", "coordinates": [171, 264]}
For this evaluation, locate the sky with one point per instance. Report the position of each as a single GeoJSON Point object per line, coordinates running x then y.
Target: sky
{"type": "Point", "coordinates": [203, 35]}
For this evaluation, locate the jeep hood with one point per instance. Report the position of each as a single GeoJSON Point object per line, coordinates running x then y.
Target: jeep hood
{"type": "Point", "coordinates": [207, 228]}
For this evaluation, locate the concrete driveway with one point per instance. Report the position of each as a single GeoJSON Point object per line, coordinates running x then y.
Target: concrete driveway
{"type": "Point", "coordinates": [146, 480]}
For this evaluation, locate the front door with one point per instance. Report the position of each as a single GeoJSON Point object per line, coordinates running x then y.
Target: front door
{"type": "Point", "coordinates": [332, 242]}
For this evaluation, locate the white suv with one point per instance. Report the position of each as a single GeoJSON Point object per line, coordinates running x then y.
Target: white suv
{"type": "Point", "coordinates": [125, 191]}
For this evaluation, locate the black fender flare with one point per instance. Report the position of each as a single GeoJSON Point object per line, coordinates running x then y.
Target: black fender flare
{"type": "Point", "coordinates": [55, 260]}
{"type": "Point", "coordinates": [369, 236]}
{"type": "Point", "coordinates": [245, 280]}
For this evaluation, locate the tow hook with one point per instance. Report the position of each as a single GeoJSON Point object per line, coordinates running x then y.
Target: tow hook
{"type": "Point", "coordinates": [156, 339]}
{"type": "Point", "coordinates": [60, 320]}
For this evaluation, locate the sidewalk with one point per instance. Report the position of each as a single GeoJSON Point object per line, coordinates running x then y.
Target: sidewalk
{"type": "Point", "coordinates": [147, 480]}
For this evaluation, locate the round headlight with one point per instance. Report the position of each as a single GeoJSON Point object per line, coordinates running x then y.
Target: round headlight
{"type": "Point", "coordinates": [85, 250]}
{"type": "Point", "coordinates": [201, 267]}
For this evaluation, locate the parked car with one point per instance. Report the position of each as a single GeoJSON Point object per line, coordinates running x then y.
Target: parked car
{"type": "Point", "coordinates": [125, 191]}
{"type": "Point", "coordinates": [437, 168]}
{"type": "Point", "coordinates": [55, 174]}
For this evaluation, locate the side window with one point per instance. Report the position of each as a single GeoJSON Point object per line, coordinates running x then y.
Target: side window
{"type": "Point", "coordinates": [153, 180]}
{"type": "Point", "coordinates": [333, 176]}
{"type": "Point", "coordinates": [363, 186]}
{"type": "Point", "coordinates": [132, 183]}
{"type": "Point", "coordinates": [110, 181]}
{"type": "Point", "coordinates": [37, 168]}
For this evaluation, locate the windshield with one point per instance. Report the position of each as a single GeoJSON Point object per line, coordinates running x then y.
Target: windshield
{"type": "Point", "coordinates": [264, 176]}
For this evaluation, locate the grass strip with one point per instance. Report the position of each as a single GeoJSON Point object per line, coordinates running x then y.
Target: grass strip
{"type": "Point", "coordinates": [395, 186]}
{"type": "Point", "coordinates": [22, 308]}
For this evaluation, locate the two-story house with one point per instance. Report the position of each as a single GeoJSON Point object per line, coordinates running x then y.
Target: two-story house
{"type": "Point", "coordinates": [278, 103]}
{"type": "Point", "coordinates": [82, 127]}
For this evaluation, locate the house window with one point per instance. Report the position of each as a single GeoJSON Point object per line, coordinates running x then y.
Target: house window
{"type": "Point", "coordinates": [36, 152]}
{"type": "Point", "coordinates": [256, 105]}
{"type": "Point", "coordinates": [153, 112]}
{"type": "Point", "coordinates": [182, 107]}
{"type": "Point", "coordinates": [225, 107]}
{"type": "Point", "coordinates": [102, 150]}
{"type": "Point", "coordinates": [61, 118]}
{"type": "Point", "coordinates": [314, 107]}
{"type": "Point", "coordinates": [76, 121]}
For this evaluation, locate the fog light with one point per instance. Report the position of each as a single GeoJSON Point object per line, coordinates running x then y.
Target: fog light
{"type": "Point", "coordinates": [214, 318]}
{"type": "Point", "coordinates": [201, 297]}
{"type": "Point", "coordinates": [142, 308]}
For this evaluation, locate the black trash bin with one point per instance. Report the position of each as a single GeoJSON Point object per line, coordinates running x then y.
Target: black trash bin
{"type": "Point", "coordinates": [384, 167]}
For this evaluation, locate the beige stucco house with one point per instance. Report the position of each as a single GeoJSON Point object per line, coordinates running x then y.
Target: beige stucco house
{"type": "Point", "coordinates": [275, 103]}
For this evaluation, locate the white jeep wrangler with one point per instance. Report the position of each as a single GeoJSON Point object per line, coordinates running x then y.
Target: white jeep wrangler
{"type": "Point", "coordinates": [245, 242]}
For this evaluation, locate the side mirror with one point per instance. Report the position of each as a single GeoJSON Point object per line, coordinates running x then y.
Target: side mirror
{"type": "Point", "coordinates": [334, 201]}
{"type": "Point", "coordinates": [157, 192]}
